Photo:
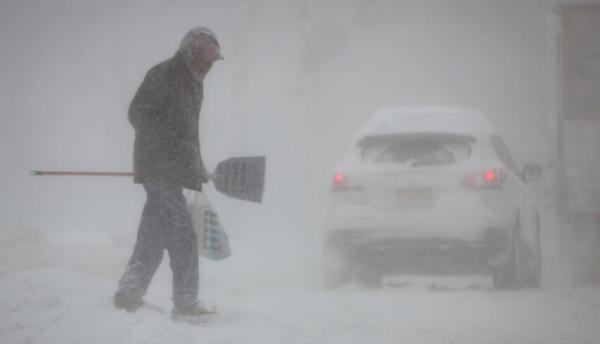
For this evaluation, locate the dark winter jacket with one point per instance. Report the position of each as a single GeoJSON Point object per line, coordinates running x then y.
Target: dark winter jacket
{"type": "Point", "coordinates": [165, 113]}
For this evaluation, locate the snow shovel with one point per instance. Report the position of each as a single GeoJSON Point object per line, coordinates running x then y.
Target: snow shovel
{"type": "Point", "coordinates": [242, 178]}
{"type": "Point", "coordinates": [239, 177]}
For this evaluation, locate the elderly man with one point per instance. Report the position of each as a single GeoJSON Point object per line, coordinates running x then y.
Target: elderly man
{"type": "Point", "coordinates": [165, 113]}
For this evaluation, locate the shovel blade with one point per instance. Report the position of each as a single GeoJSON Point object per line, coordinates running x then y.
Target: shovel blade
{"type": "Point", "coordinates": [241, 177]}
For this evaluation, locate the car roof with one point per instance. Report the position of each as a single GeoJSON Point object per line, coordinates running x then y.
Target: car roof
{"type": "Point", "coordinates": [401, 120]}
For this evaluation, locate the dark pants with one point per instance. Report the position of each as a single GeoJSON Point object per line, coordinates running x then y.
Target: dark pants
{"type": "Point", "coordinates": [166, 224]}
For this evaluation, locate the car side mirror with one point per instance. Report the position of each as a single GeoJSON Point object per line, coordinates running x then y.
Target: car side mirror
{"type": "Point", "coordinates": [532, 173]}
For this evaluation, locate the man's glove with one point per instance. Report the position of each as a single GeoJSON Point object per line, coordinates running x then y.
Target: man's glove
{"type": "Point", "coordinates": [205, 176]}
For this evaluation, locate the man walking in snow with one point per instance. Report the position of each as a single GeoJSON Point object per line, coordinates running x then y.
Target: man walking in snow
{"type": "Point", "coordinates": [165, 113]}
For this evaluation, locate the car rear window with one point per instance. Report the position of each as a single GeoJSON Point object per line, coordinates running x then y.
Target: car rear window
{"type": "Point", "coordinates": [418, 150]}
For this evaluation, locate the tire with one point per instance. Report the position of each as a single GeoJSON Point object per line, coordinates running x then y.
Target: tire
{"type": "Point", "coordinates": [534, 279]}
{"type": "Point", "coordinates": [506, 276]}
{"type": "Point", "coordinates": [369, 277]}
{"type": "Point", "coordinates": [336, 271]}
{"type": "Point", "coordinates": [335, 278]}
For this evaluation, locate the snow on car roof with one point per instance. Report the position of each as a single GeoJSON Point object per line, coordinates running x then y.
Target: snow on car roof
{"type": "Point", "coordinates": [396, 120]}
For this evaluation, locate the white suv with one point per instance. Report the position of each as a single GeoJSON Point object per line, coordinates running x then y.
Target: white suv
{"type": "Point", "coordinates": [432, 190]}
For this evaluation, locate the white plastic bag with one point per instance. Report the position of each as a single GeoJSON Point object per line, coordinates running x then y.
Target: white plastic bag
{"type": "Point", "coordinates": [213, 242]}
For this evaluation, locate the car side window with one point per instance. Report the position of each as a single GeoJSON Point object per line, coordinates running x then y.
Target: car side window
{"type": "Point", "coordinates": [503, 153]}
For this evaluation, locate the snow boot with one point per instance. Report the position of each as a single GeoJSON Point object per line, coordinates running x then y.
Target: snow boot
{"type": "Point", "coordinates": [195, 313]}
{"type": "Point", "coordinates": [130, 304]}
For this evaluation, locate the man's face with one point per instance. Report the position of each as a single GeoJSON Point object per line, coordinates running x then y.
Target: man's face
{"type": "Point", "coordinates": [206, 54]}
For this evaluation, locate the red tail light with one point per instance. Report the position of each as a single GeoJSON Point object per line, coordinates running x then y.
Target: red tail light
{"type": "Point", "coordinates": [491, 176]}
{"type": "Point", "coordinates": [340, 182]}
{"type": "Point", "coordinates": [490, 179]}
{"type": "Point", "coordinates": [339, 178]}
{"type": "Point", "coordinates": [343, 182]}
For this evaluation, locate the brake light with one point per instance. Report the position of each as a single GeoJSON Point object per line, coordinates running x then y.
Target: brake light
{"type": "Point", "coordinates": [339, 178]}
{"type": "Point", "coordinates": [490, 176]}
{"type": "Point", "coordinates": [490, 179]}
{"type": "Point", "coordinates": [339, 182]}
{"type": "Point", "coordinates": [343, 182]}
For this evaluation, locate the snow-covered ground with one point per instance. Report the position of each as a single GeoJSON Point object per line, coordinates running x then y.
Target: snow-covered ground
{"type": "Point", "coordinates": [59, 291]}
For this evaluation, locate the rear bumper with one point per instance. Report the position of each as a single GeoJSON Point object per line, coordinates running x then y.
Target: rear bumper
{"type": "Point", "coordinates": [387, 252]}
{"type": "Point", "coordinates": [461, 216]}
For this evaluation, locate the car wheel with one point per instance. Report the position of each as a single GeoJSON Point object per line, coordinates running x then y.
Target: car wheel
{"type": "Point", "coordinates": [336, 271]}
{"type": "Point", "coordinates": [369, 277]}
{"type": "Point", "coordinates": [506, 276]}
{"type": "Point", "coordinates": [334, 278]}
{"type": "Point", "coordinates": [535, 276]}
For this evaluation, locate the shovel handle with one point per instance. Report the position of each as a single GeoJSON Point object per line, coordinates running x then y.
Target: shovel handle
{"type": "Point", "coordinates": [82, 173]}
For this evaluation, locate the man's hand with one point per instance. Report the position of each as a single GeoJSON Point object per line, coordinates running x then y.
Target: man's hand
{"type": "Point", "coordinates": [205, 176]}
